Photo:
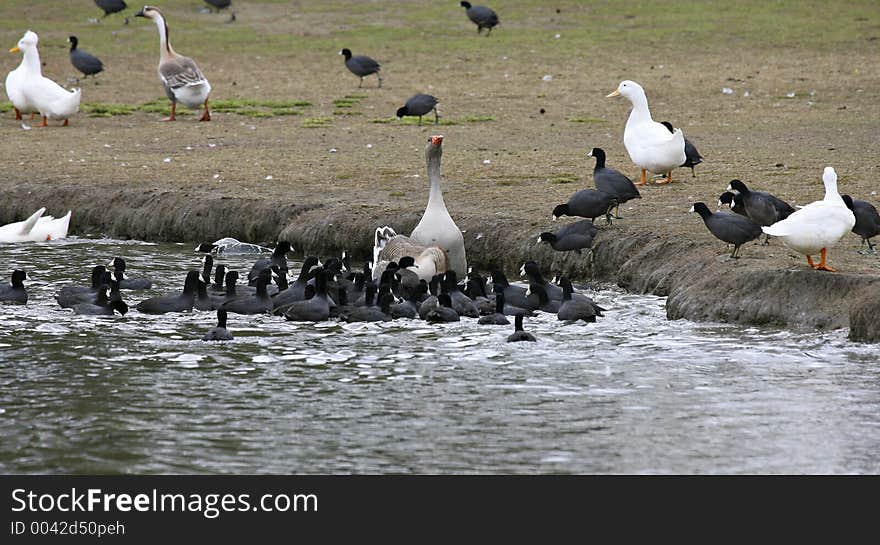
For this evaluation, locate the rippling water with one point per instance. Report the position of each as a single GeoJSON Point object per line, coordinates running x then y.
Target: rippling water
{"type": "Point", "coordinates": [633, 393]}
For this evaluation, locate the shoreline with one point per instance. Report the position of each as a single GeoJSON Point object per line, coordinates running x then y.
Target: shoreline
{"type": "Point", "coordinates": [700, 285]}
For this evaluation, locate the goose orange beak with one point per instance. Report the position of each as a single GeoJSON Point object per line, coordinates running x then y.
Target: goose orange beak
{"type": "Point", "coordinates": [612, 94]}
{"type": "Point", "coordinates": [14, 50]}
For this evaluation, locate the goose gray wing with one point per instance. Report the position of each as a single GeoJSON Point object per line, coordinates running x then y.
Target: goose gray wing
{"type": "Point", "coordinates": [180, 72]}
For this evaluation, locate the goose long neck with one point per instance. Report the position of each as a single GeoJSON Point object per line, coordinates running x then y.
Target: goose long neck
{"type": "Point", "coordinates": [435, 197]}
{"type": "Point", "coordinates": [165, 50]}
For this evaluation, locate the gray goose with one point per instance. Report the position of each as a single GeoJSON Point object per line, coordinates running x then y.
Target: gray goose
{"type": "Point", "coordinates": [180, 76]}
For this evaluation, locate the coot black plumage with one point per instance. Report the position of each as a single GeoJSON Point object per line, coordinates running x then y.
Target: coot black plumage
{"type": "Point", "coordinates": [761, 207]}
{"type": "Point", "coordinates": [317, 308]}
{"type": "Point", "coordinates": [296, 290]}
{"type": "Point", "coordinates": [203, 301]}
{"type": "Point", "coordinates": [734, 201]}
{"type": "Point", "coordinates": [70, 295]}
{"type": "Point", "coordinates": [497, 317]}
{"type": "Point", "coordinates": [519, 334]}
{"type": "Point", "coordinates": [867, 220]}
{"type": "Point", "coordinates": [278, 258]}
{"type": "Point", "coordinates": [259, 303]}
{"type": "Point", "coordinates": [420, 105]}
{"type": "Point", "coordinates": [85, 62]}
{"type": "Point", "coordinates": [119, 268]}
{"type": "Point", "coordinates": [370, 313]}
{"type": "Point", "coordinates": [181, 302]}
{"type": "Point", "coordinates": [513, 295]}
{"type": "Point", "coordinates": [103, 306]}
{"type": "Point", "coordinates": [728, 227]}
{"type": "Point", "coordinates": [218, 300]}
{"type": "Point", "coordinates": [443, 312]}
{"type": "Point", "coordinates": [461, 303]}
{"type": "Point", "coordinates": [219, 333]}
{"type": "Point", "coordinates": [573, 309]}
{"type": "Point", "coordinates": [481, 16]}
{"type": "Point", "coordinates": [533, 271]}
{"type": "Point", "coordinates": [219, 4]}
{"type": "Point", "coordinates": [612, 181]}
{"type": "Point", "coordinates": [218, 287]}
{"type": "Point", "coordinates": [111, 6]}
{"type": "Point", "coordinates": [361, 66]}
{"type": "Point", "coordinates": [572, 237]}
{"type": "Point", "coordinates": [587, 203]}
{"type": "Point", "coordinates": [15, 293]}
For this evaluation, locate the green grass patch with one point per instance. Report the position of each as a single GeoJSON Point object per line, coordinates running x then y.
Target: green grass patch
{"type": "Point", "coordinates": [397, 194]}
{"type": "Point", "coordinates": [107, 110]}
{"type": "Point", "coordinates": [478, 118]}
{"type": "Point", "coordinates": [505, 183]}
{"type": "Point", "coordinates": [5, 107]}
{"type": "Point", "coordinates": [413, 121]}
{"type": "Point", "coordinates": [316, 122]}
{"type": "Point", "coordinates": [563, 179]}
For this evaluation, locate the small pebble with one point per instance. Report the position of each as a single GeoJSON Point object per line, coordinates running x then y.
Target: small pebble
{"type": "Point", "coordinates": [548, 77]}
{"type": "Point", "coordinates": [167, 159]}
{"type": "Point", "coordinates": [269, 177]}
{"type": "Point", "coordinates": [332, 150]}
{"type": "Point", "coordinates": [727, 91]}
{"type": "Point", "coordinates": [487, 162]}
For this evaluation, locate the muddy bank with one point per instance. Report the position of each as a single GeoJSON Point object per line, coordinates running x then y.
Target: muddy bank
{"type": "Point", "coordinates": [700, 284]}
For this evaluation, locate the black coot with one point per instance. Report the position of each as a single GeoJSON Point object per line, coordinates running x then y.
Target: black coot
{"type": "Point", "coordinates": [419, 105]}
{"type": "Point", "coordinates": [181, 302]}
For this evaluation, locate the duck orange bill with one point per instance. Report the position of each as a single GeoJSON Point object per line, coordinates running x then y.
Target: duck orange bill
{"type": "Point", "coordinates": [14, 50]}
{"type": "Point", "coordinates": [614, 93]}
{"type": "Point", "coordinates": [437, 140]}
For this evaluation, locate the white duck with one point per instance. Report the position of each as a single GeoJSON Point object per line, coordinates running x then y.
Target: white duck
{"type": "Point", "coordinates": [817, 226]}
{"type": "Point", "coordinates": [649, 144]}
{"type": "Point", "coordinates": [36, 228]}
{"type": "Point", "coordinates": [436, 228]}
{"type": "Point", "coordinates": [30, 91]}
{"type": "Point", "coordinates": [180, 76]}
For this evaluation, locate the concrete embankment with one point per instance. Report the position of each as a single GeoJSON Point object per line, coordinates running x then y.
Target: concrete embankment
{"type": "Point", "coordinates": [700, 286]}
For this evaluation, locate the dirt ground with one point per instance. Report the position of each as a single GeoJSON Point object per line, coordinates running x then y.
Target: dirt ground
{"type": "Point", "coordinates": [559, 58]}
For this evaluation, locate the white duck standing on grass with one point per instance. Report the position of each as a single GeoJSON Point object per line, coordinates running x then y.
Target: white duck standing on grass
{"type": "Point", "coordinates": [649, 144]}
{"type": "Point", "coordinates": [181, 78]}
{"type": "Point", "coordinates": [436, 228]}
{"type": "Point", "coordinates": [817, 226]}
{"type": "Point", "coordinates": [30, 91]}
{"type": "Point", "coordinates": [36, 228]}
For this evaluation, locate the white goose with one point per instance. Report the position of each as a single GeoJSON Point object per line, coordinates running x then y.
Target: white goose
{"type": "Point", "coordinates": [649, 144]}
{"type": "Point", "coordinates": [180, 76]}
{"type": "Point", "coordinates": [30, 91]}
{"type": "Point", "coordinates": [436, 227]}
{"type": "Point", "coordinates": [36, 228]}
{"type": "Point", "coordinates": [817, 226]}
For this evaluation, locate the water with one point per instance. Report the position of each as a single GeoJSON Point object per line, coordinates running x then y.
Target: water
{"type": "Point", "coordinates": [633, 393]}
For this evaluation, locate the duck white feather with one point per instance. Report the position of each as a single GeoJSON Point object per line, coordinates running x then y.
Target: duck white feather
{"type": "Point", "coordinates": [818, 225]}
{"type": "Point", "coordinates": [649, 144]}
{"type": "Point", "coordinates": [36, 228]}
{"type": "Point", "coordinates": [30, 91]}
